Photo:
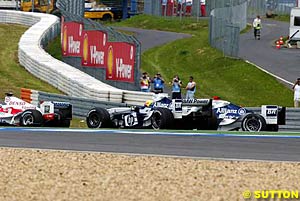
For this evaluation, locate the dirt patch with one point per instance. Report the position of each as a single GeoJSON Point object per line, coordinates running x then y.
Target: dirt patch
{"type": "Point", "coordinates": [60, 175]}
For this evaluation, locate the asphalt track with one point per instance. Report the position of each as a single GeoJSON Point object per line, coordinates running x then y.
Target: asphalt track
{"type": "Point", "coordinates": [194, 145]}
{"type": "Point", "coordinates": [283, 62]}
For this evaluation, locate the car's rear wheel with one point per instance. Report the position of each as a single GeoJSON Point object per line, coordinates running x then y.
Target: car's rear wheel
{"type": "Point", "coordinates": [253, 123]}
{"type": "Point", "coordinates": [162, 118]}
{"type": "Point", "coordinates": [31, 118]}
{"type": "Point", "coordinates": [98, 118]}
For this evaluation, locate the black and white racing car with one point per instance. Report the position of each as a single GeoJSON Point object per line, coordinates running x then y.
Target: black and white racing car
{"type": "Point", "coordinates": [202, 114]}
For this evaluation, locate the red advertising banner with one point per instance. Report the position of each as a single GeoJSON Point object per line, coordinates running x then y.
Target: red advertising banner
{"type": "Point", "coordinates": [94, 49]}
{"type": "Point", "coordinates": [120, 61]}
{"type": "Point", "coordinates": [72, 39]}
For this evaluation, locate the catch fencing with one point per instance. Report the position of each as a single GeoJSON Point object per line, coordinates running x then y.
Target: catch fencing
{"type": "Point", "coordinates": [113, 37]}
{"type": "Point", "coordinates": [194, 8]}
{"type": "Point", "coordinates": [270, 7]}
{"type": "Point", "coordinates": [81, 106]}
{"type": "Point", "coordinates": [227, 19]}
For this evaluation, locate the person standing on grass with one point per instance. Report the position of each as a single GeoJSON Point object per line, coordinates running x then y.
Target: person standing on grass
{"type": "Point", "coordinates": [158, 83]}
{"type": "Point", "coordinates": [296, 89]}
{"type": "Point", "coordinates": [191, 88]}
{"type": "Point", "coordinates": [145, 82]}
{"type": "Point", "coordinates": [176, 87]}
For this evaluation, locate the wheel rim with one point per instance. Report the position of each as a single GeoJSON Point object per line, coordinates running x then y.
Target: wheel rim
{"type": "Point", "coordinates": [156, 120]}
{"type": "Point", "coordinates": [28, 119]}
{"type": "Point", "coordinates": [94, 120]}
{"type": "Point", "coordinates": [253, 124]}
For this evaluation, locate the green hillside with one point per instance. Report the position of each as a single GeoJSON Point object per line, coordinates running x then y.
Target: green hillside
{"type": "Point", "coordinates": [12, 75]}
{"type": "Point", "coordinates": [216, 75]}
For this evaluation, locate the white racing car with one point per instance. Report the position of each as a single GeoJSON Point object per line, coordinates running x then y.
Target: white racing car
{"type": "Point", "coordinates": [202, 114]}
{"type": "Point", "coordinates": [17, 112]}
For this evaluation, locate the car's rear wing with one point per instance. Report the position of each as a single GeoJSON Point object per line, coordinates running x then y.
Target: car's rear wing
{"type": "Point", "coordinates": [273, 114]}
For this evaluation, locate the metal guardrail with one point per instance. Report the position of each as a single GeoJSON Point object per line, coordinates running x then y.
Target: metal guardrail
{"type": "Point", "coordinates": [71, 81]}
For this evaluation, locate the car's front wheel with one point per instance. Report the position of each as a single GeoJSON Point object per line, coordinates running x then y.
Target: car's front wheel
{"type": "Point", "coordinates": [253, 123]}
{"type": "Point", "coordinates": [98, 118]}
{"type": "Point", "coordinates": [162, 118]}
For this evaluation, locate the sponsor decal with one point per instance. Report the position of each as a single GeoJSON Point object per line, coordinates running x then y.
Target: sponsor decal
{"type": "Point", "coordinates": [85, 48]}
{"type": "Point", "coordinates": [123, 70]}
{"type": "Point", "coordinates": [65, 41]}
{"type": "Point", "coordinates": [271, 111]}
{"type": "Point", "coordinates": [196, 101]}
{"type": "Point", "coordinates": [110, 62]}
{"type": "Point", "coordinates": [16, 103]}
{"type": "Point", "coordinates": [72, 39]}
{"type": "Point", "coordinates": [73, 45]}
{"type": "Point", "coordinates": [120, 62]}
{"type": "Point", "coordinates": [230, 111]}
{"type": "Point", "coordinates": [94, 49]}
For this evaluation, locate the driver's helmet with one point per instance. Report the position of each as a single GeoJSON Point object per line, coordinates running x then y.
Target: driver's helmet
{"type": "Point", "coordinates": [149, 103]}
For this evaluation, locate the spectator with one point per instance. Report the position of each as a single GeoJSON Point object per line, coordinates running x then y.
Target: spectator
{"type": "Point", "coordinates": [158, 83]}
{"type": "Point", "coordinates": [296, 89]}
{"type": "Point", "coordinates": [145, 82]}
{"type": "Point", "coordinates": [257, 26]}
{"type": "Point", "coordinates": [191, 88]}
{"type": "Point", "coordinates": [176, 87]}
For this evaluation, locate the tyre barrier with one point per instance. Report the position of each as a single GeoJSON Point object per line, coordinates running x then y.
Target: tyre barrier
{"type": "Point", "coordinates": [71, 81]}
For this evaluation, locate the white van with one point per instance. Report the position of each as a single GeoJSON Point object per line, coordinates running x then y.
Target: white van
{"type": "Point", "coordinates": [294, 33]}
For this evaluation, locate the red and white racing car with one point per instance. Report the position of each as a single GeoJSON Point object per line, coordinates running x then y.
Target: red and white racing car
{"type": "Point", "coordinates": [17, 112]}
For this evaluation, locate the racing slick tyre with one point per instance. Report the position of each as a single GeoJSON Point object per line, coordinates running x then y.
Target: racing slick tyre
{"type": "Point", "coordinates": [98, 118]}
{"type": "Point", "coordinates": [31, 118]}
{"type": "Point", "coordinates": [162, 118]}
{"type": "Point", "coordinates": [62, 121]}
{"type": "Point", "coordinates": [253, 123]}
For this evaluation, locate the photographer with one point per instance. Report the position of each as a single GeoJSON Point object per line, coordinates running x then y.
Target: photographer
{"type": "Point", "coordinates": [176, 87]}
{"type": "Point", "coordinates": [145, 82]}
{"type": "Point", "coordinates": [296, 89]}
{"type": "Point", "coordinates": [158, 83]}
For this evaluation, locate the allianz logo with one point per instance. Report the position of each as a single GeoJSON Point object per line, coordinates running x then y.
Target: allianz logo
{"type": "Point", "coordinates": [223, 110]}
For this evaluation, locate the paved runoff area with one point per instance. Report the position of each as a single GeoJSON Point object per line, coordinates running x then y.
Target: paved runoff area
{"type": "Point", "coordinates": [28, 174]}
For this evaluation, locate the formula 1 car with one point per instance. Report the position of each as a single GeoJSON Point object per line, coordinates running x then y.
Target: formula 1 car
{"type": "Point", "coordinates": [162, 114]}
{"type": "Point", "coordinates": [202, 114]}
{"type": "Point", "coordinates": [17, 112]}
